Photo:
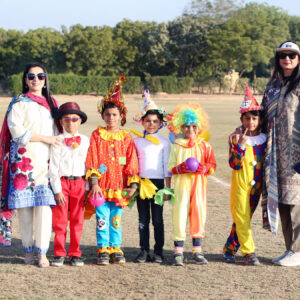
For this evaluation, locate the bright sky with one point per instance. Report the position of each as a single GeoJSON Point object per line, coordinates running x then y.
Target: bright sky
{"type": "Point", "coordinates": [32, 14]}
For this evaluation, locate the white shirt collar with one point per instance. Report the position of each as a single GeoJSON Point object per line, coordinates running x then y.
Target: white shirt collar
{"type": "Point", "coordinates": [68, 135]}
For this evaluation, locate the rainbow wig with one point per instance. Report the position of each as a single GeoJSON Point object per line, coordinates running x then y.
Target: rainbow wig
{"type": "Point", "coordinates": [187, 114]}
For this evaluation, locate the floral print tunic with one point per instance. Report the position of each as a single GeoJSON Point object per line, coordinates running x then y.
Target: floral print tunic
{"type": "Point", "coordinates": [28, 163]}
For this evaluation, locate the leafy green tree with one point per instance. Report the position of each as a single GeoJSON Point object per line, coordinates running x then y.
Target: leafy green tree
{"type": "Point", "coordinates": [188, 44]}
{"type": "Point", "coordinates": [89, 50]}
{"type": "Point", "coordinates": [153, 55]}
{"type": "Point", "coordinates": [248, 39]}
{"type": "Point", "coordinates": [294, 26]}
{"type": "Point", "coordinates": [10, 52]}
{"type": "Point", "coordinates": [43, 45]}
{"type": "Point", "coordinates": [128, 40]}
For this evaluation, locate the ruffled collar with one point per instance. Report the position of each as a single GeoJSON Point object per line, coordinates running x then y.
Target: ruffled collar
{"type": "Point", "coordinates": [257, 139]}
{"type": "Point", "coordinates": [110, 136]}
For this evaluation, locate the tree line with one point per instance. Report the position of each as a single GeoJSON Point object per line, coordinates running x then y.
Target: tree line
{"type": "Point", "coordinates": [210, 39]}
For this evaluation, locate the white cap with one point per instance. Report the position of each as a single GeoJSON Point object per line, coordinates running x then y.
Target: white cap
{"type": "Point", "coordinates": [289, 46]}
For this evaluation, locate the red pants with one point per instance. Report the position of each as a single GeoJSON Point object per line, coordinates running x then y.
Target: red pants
{"type": "Point", "coordinates": [74, 191]}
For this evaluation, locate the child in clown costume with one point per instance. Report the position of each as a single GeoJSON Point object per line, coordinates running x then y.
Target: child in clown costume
{"type": "Point", "coordinates": [153, 154]}
{"type": "Point", "coordinates": [189, 121]}
{"type": "Point", "coordinates": [112, 169]}
{"type": "Point", "coordinates": [246, 159]}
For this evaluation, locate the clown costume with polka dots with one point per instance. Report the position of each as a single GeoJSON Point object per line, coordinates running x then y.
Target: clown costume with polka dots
{"type": "Point", "coordinates": [112, 169]}
{"type": "Point", "coordinates": [246, 155]}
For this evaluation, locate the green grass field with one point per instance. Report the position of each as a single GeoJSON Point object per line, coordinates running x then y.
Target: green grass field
{"type": "Point", "coordinates": [216, 280]}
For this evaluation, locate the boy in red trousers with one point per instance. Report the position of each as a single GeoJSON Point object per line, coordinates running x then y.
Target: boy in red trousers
{"type": "Point", "coordinates": [67, 171]}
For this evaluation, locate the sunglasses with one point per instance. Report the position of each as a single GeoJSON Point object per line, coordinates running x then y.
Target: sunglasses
{"type": "Point", "coordinates": [70, 119]}
{"type": "Point", "coordinates": [40, 76]}
{"type": "Point", "coordinates": [284, 55]}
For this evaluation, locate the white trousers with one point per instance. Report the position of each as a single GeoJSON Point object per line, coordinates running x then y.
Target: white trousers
{"type": "Point", "coordinates": [35, 228]}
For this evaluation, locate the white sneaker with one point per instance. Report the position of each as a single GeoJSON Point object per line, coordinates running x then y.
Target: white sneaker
{"type": "Point", "coordinates": [277, 259]}
{"type": "Point", "coordinates": [292, 259]}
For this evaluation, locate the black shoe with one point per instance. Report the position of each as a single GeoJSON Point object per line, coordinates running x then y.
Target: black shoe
{"type": "Point", "coordinates": [103, 259]}
{"type": "Point", "coordinates": [77, 261]}
{"type": "Point", "coordinates": [143, 257]}
{"type": "Point", "coordinates": [159, 259]}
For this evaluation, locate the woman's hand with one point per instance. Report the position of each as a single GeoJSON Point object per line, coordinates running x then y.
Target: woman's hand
{"type": "Point", "coordinates": [60, 199]}
{"type": "Point", "coordinates": [53, 140]}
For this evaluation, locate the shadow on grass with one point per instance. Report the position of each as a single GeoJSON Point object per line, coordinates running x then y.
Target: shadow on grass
{"type": "Point", "coordinates": [15, 254]}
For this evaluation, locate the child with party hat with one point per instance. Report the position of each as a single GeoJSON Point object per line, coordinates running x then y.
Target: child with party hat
{"type": "Point", "coordinates": [246, 155]}
{"type": "Point", "coordinates": [153, 154]}
{"type": "Point", "coordinates": [191, 161]}
{"type": "Point", "coordinates": [112, 168]}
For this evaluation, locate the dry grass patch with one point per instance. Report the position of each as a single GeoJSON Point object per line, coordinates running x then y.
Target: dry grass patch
{"type": "Point", "coordinates": [216, 280]}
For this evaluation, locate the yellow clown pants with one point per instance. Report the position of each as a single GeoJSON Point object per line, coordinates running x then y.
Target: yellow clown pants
{"type": "Point", "coordinates": [240, 202]}
{"type": "Point", "coordinates": [190, 201]}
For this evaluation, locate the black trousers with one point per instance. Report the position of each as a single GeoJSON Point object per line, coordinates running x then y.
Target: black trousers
{"type": "Point", "coordinates": [144, 206]}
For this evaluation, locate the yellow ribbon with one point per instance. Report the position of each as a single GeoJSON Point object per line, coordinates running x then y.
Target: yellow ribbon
{"type": "Point", "coordinates": [150, 138]}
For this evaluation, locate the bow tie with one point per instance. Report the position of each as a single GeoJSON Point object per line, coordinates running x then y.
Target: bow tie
{"type": "Point", "coordinates": [75, 141]}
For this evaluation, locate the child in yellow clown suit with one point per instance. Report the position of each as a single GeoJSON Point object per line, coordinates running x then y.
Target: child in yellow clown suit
{"type": "Point", "coordinates": [246, 155]}
{"type": "Point", "coordinates": [112, 168]}
{"type": "Point", "coordinates": [190, 185]}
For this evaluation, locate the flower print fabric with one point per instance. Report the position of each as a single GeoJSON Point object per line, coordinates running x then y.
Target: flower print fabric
{"type": "Point", "coordinates": [28, 184]}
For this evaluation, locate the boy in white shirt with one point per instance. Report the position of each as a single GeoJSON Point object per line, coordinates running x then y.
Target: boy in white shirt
{"type": "Point", "coordinates": [67, 179]}
{"type": "Point", "coordinates": [153, 154]}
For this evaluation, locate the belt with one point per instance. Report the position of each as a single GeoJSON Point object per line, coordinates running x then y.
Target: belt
{"type": "Point", "coordinates": [72, 177]}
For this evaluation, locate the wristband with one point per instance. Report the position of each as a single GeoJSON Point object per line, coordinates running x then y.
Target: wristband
{"type": "Point", "coordinates": [94, 180]}
{"type": "Point", "coordinates": [134, 185]}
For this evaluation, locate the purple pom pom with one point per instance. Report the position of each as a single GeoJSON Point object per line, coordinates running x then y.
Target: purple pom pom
{"type": "Point", "coordinates": [192, 164]}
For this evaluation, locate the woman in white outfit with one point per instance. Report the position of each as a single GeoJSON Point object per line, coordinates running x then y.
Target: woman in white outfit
{"type": "Point", "coordinates": [30, 120]}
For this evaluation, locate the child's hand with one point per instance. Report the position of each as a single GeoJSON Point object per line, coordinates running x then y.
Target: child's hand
{"type": "Point", "coordinates": [242, 137]}
{"type": "Point", "coordinates": [86, 197]}
{"type": "Point", "coordinates": [234, 135]}
{"type": "Point", "coordinates": [96, 190]}
{"type": "Point", "coordinates": [181, 169]}
{"type": "Point", "coordinates": [130, 191]}
{"type": "Point", "coordinates": [60, 199]}
{"type": "Point", "coordinates": [202, 169]}
{"type": "Point", "coordinates": [167, 197]}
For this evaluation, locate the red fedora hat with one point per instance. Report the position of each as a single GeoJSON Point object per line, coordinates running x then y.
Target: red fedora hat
{"type": "Point", "coordinates": [71, 108]}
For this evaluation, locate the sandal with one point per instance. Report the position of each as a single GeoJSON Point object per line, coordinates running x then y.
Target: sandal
{"type": "Point", "coordinates": [43, 261]}
{"type": "Point", "coordinates": [29, 259]}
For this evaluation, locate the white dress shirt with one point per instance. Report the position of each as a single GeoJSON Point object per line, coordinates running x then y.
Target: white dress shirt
{"type": "Point", "coordinates": [153, 158]}
{"type": "Point", "coordinates": [67, 161]}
